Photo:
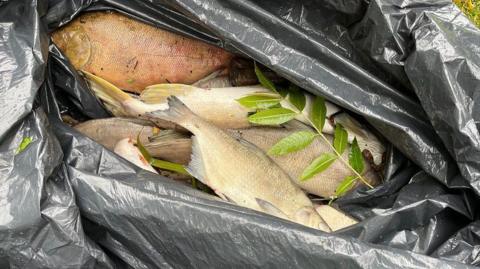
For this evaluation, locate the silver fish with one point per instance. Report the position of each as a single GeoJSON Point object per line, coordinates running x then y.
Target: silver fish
{"type": "Point", "coordinates": [240, 172]}
{"type": "Point", "coordinates": [109, 131]}
{"type": "Point", "coordinates": [323, 184]}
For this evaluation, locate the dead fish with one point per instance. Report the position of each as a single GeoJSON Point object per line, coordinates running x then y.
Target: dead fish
{"type": "Point", "coordinates": [323, 184]}
{"type": "Point", "coordinates": [238, 171]}
{"type": "Point", "coordinates": [132, 55]}
{"type": "Point", "coordinates": [131, 153]}
{"type": "Point", "coordinates": [216, 105]}
{"type": "Point", "coordinates": [335, 218]}
{"type": "Point", "coordinates": [220, 107]}
{"type": "Point", "coordinates": [109, 131]}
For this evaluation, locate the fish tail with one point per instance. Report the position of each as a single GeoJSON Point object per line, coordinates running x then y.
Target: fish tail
{"type": "Point", "coordinates": [167, 135]}
{"type": "Point", "coordinates": [113, 97]}
{"type": "Point", "coordinates": [159, 93]}
{"type": "Point", "coordinates": [177, 112]}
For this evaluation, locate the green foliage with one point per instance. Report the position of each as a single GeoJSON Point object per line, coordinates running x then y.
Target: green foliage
{"type": "Point", "coordinates": [264, 81]}
{"type": "Point", "coordinates": [355, 157]}
{"type": "Point", "coordinates": [471, 8]}
{"type": "Point", "coordinates": [318, 113]}
{"type": "Point", "coordinates": [272, 116]}
{"type": "Point", "coordinates": [340, 140]}
{"type": "Point", "coordinates": [259, 101]}
{"type": "Point", "coordinates": [318, 165]}
{"type": "Point", "coordinates": [275, 114]}
{"type": "Point", "coordinates": [297, 97]}
{"type": "Point", "coordinates": [293, 142]}
{"type": "Point", "coordinates": [345, 185]}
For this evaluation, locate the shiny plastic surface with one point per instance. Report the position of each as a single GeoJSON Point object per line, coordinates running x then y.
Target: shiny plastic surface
{"type": "Point", "coordinates": [410, 68]}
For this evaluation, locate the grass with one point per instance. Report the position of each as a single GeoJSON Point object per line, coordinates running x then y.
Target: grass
{"type": "Point", "coordinates": [471, 8]}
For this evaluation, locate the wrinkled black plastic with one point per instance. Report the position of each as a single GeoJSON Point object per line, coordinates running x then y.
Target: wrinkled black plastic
{"type": "Point", "coordinates": [464, 246]}
{"type": "Point", "coordinates": [409, 67]}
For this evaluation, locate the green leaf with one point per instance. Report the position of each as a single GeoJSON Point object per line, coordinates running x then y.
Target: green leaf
{"type": "Point", "coordinates": [282, 91]}
{"type": "Point", "coordinates": [297, 97]}
{"type": "Point", "coordinates": [345, 185]}
{"type": "Point", "coordinates": [318, 165]}
{"type": "Point", "coordinates": [293, 142]}
{"type": "Point", "coordinates": [175, 167]}
{"type": "Point", "coordinates": [319, 113]}
{"type": "Point", "coordinates": [276, 106]}
{"type": "Point", "coordinates": [259, 101]}
{"type": "Point", "coordinates": [24, 144]}
{"type": "Point", "coordinates": [143, 150]}
{"type": "Point", "coordinates": [355, 158]}
{"type": "Point", "coordinates": [272, 116]}
{"type": "Point", "coordinates": [340, 139]}
{"type": "Point", "coordinates": [264, 81]}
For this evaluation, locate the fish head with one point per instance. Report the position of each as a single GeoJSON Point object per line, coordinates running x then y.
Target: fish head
{"type": "Point", "coordinates": [75, 44]}
{"type": "Point", "coordinates": [308, 216]}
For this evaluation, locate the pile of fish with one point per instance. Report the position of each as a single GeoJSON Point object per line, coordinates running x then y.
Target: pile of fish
{"type": "Point", "coordinates": [186, 112]}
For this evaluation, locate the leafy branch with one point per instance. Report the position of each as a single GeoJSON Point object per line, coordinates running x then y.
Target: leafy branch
{"type": "Point", "coordinates": [269, 111]}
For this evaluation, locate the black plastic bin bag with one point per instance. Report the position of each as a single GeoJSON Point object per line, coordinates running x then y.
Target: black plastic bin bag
{"type": "Point", "coordinates": [410, 68]}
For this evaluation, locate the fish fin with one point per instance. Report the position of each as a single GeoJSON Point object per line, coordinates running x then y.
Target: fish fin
{"type": "Point", "coordinates": [196, 167]}
{"type": "Point", "coordinates": [254, 148]}
{"type": "Point", "coordinates": [212, 75]}
{"type": "Point", "coordinates": [238, 136]}
{"type": "Point", "coordinates": [159, 93]}
{"type": "Point", "coordinates": [224, 197]}
{"type": "Point", "coordinates": [117, 111]}
{"type": "Point", "coordinates": [269, 208]}
{"type": "Point", "coordinates": [112, 96]}
{"type": "Point", "coordinates": [177, 112]}
{"type": "Point", "coordinates": [163, 136]}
